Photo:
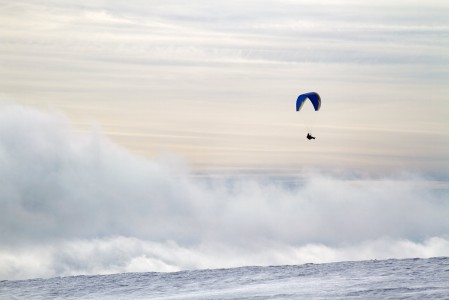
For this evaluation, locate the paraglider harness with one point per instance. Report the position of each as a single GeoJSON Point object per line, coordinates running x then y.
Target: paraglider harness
{"type": "Point", "coordinates": [310, 137]}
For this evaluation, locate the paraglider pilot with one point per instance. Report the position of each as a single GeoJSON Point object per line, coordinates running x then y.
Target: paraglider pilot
{"type": "Point", "coordinates": [316, 101]}
{"type": "Point", "coordinates": [310, 137]}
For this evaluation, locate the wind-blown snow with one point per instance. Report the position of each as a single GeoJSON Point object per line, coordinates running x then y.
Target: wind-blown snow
{"type": "Point", "coordinates": [74, 203]}
{"type": "Point", "coordinates": [389, 279]}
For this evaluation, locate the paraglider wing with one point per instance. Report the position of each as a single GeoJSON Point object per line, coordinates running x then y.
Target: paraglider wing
{"type": "Point", "coordinates": [312, 96]}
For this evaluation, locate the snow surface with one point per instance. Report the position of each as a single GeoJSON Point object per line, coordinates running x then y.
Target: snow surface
{"type": "Point", "coordinates": [375, 279]}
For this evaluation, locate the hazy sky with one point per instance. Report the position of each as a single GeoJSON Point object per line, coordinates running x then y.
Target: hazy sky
{"type": "Point", "coordinates": [217, 82]}
{"type": "Point", "coordinates": [108, 109]}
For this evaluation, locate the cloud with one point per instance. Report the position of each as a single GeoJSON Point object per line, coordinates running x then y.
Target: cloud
{"type": "Point", "coordinates": [174, 33]}
{"type": "Point", "coordinates": [126, 254]}
{"type": "Point", "coordinates": [76, 203]}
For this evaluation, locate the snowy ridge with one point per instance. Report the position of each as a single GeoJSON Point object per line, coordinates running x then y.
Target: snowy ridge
{"type": "Point", "coordinates": [380, 279]}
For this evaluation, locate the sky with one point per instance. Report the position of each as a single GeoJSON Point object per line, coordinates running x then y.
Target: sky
{"type": "Point", "coordinates": [162, 136]}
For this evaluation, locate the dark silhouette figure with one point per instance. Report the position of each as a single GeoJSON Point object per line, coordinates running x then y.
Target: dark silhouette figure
{"type": "Point", "coordinates": [310, 137]}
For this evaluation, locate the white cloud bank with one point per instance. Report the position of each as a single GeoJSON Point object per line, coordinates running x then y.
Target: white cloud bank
{"type": "Point", "coordinates": [74, 203]}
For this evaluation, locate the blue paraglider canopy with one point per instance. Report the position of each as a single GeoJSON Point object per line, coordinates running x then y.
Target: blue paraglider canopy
{"type": "Point", "coordinates": [312, 96]}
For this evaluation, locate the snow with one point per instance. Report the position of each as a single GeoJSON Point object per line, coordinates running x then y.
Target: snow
{"type": "Point", "coordinates": [378, 279]}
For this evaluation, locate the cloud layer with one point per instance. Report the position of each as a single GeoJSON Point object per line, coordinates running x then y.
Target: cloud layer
{"type": "Point", "coordinates": [75, 203]}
